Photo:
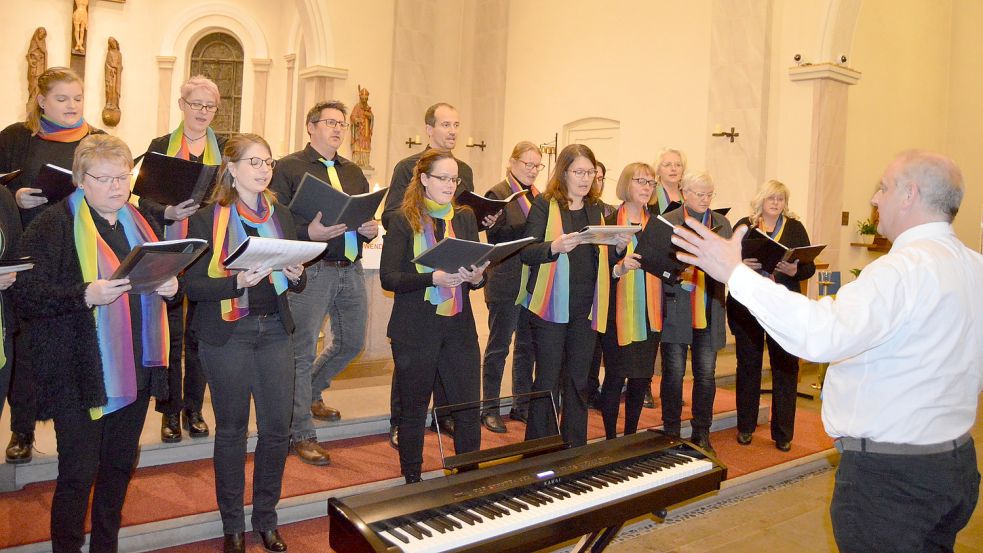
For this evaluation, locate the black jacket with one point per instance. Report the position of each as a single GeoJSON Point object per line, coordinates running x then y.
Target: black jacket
{"type": "Point", "coordinates": [403, 174]}
{"type": "Point", "coordinates": [11, 229]}
{"type": "Point", "coordinates": [413, 318]}
{"type": "Point", "coordinates": [207, 324]}
{"type": "Point", "coordinates": [67, 365]}
{"type": "Point", "coordinates": [794, 236]}
{"type": "Point", "coordinates": [503, 278]}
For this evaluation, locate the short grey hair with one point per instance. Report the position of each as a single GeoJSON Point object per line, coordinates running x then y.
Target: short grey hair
{"type": "Point", "coordinates": [938, 178]}
{"type": "Point", "coordinates": [695, 177]}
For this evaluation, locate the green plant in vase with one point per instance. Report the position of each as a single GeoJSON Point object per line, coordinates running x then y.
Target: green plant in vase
{"type": "Point", "coordinates": [866, 229]}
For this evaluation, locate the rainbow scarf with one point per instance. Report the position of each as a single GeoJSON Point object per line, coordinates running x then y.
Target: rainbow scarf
{"type": "Point", "coordinates": [228, 232]}
{"type": "Point", "coordinates": [550, 298]}
{"type": "Point", "coordinates": [636, 294]}
{"type": "Point", "coordinates": [662, 198]}
{"type": "Point", "coordinates": [56, 133]}
{"type": "Point", "coordinates": [113, 329]}
{"type": "Point", "coordinates": [525, 200]}
{"type": "Point", "coordinates": [351, 240]}
{"type": "Point", "coordinates": [776, 233]}
{"type": "Point", "coordinates": [449, 301]}
{"type": "Point", "coordinates": [177, 146]}
{"type": "Point", "coordinates": [697, 280]}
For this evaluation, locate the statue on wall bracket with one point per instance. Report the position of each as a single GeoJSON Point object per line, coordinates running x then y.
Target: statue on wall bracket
{"type": "Point", "coordinates": [37, 62]}
{"type": "Point", "coordinates": [362, 123]}
{"type": "Point", "coordinates": [114, 82]}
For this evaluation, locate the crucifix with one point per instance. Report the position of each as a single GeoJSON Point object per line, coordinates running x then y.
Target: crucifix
{"type": "Point", "coordinates": [80, 28]}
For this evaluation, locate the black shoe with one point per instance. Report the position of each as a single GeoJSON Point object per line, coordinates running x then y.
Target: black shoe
{"type": "Point", "coordinates": [519, 415]}
{"type": "Point", "coordinates": [394, 437]}
{"type": "Point", "coordinates": [234, 543]}
{"type": "Point", "coordinates": [494, 422]}
{"type": "Point", "coordinates": [195, 424]}
{"type": "Point", "coordinates": [744, 438]}
{"type": "Point", "coordinates": [703, 441]}
{"type": "Point", "coordinates": [21, 448]}
{"type": "Point", "coordinates": [649, 401]}
{"type": "Point", "coordinates": [446, 426]}
{"type": "Point", "coordinates": [170, 428]}
{"type": "Point", "coordinates": [272, 541]}
{"type": "Point", "coordinates": [783, 446]}
{"type": "Point", "coordinates": [412, 478]}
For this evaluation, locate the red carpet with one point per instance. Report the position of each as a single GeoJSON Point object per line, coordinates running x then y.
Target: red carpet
{"type": "Point", "coordinates": [181, 489]}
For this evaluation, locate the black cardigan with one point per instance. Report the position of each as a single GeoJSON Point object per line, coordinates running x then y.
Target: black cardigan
{"type": "Point", "coordinates": [414, 319]}
{"type": "Point", "coordinates": [154, 209]}
{"type": "Point", "coordinates": [11, 229]}
{"type": "Point", "coordinates": [503, 278]}
{"type": "Point", "coordinates": [65, 346]}
{"type": "Point", "coordinates": [207, 324]}
{"type": "Point", "coordinates": [794, 236]}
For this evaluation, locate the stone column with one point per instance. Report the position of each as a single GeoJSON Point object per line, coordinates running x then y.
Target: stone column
{"type": "Point", "coordinates": [261, 75]}
{"type": "Point", "coordinates": [827, 150]}
{"type": "Point", "coordinates": [165, 70]}
{"type": "Point", "coordinates": [316, 84]}
{"type": "Point", "coordinates": [288, 115]}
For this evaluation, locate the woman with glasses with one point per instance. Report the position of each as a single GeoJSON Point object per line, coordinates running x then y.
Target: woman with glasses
{"type": "Point", "coordinates": [431, 328]}
{"type": "Point", "coordinates": [505, 318]}
{"type": "Point", "coordinates": [635, 312]}
{"type": "Point", "coordinates": [103, 352]}
{"type": "Point", "coordinates": [670, 165]}
{"type": "Point", "coordinates": [243, 325]}
{"type": "Point", "coordinates": [694, 320]}
{"type": "Point", "coordinates": [770, 215]}
{"type": "Point", "coordinates": [192, 140]}
{"type": "Point", "coordinates": [53, 129]}
{"type": "Point", "coordinates": [566, 287]}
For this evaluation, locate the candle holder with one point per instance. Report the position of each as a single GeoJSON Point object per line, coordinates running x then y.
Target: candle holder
{"type": "Point", "coordinates": [481, 145]}
{"type": "Point", "coordinates": [410, 142]}
{"type": "Point", "coordinates": [731, 135]}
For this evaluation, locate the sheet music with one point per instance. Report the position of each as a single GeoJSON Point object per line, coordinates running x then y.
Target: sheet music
{"type": "Point", "coordinates": [256, 252]}
{"type": "Point", "coordinates": [606, 234]}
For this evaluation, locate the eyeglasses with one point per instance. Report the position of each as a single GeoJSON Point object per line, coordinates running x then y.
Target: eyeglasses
{"type": "Point", "coordinates": [444, 178]}
{"type": "Point", "coordinates": [701, 195]}
{"type": "Point", "coordinates": [258, 162]}
{"type": "Point", "coordinates": [107, 179]}
{"type": "Point", "coordinates": [644, 182]}
{"type": "Point", "coordinates": [581, 173]}
{"type": "Point", "coordinates": [531, 166]}
{"type": "Point", "coordinates": [332, 123]}
{"type": "Point", "coordinates": [198, 106]}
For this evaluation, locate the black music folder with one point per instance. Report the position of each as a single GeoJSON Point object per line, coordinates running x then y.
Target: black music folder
{"type": "Point", "coordinates": [172, 180]}
{"type": "Point", "coordinates": [151, 264]}
{"type": "Point", "coordinates": [450, 254]}
{"type": "Point", "coordinates": [7, 178]}
{"type": "Point", "coordinates": [658, 254]}
{"type": "Point", "coordinates": [315, 196]}
{"type": "Point", "coordinates": [769, 252]}
{"type": "Point", "coordinates": [483, 206]}
{"type": "Point", "coordinates": [16, 264]}
{"type": "Point", "coordinates": [722, 210]}
{"type": "Point", "coordinates": [55, 183]}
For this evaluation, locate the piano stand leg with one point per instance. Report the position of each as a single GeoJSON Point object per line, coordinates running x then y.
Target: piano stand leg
{"type": "Point", "coordinates": [595, 542]}
{"type": "Point", "coordinates": [661, 515]}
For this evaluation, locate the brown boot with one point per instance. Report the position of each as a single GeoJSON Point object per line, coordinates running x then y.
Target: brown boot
{"type": "Point", "coordinates": [311, 453]}
{"type": "Point", "coordinates": [322, 412]}
{"type": "Point", "coordinates": [21, 448]}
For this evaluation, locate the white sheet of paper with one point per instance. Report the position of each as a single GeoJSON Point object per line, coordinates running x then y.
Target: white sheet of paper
{"type": "Point", "coordinates": [606, 234]}
{"type": "Point", "coordinates": [276, 253]}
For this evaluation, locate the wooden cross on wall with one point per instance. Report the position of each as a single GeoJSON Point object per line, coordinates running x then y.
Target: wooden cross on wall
{"type": "Point", "coordinates": [80, 34]}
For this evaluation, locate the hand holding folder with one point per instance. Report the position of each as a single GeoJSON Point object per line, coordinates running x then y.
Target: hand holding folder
{"type": "Point", "coordinates": [451, 254]}
{"type": "Point", "coordinates": [150, 265]}
{"type": "Point", "coordinates": [171, 180]}
{"type": "Point", "coordinates": [484, 207]}
{"type": "Point", "coordinates": [315, 196]}
{"type": "Point", "coordinates": [256, 252]}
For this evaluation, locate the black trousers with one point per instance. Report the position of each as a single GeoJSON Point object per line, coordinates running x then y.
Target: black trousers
{"type": "Point", "coordinates": [256, 363]}
{"type": "Point", "coordinates": [594, 373]}
{"type": "Point", "coordinates": [630, 366]}
{"type": "Point", "coordinates": [396, 404]}
{"type": "Point", "coordinates": [102, 452]}
{"type": "Point", "coordinates": [22, 394]}
{"type": "Point", "coordinates": [456, 362]}
{"type": "Point", "coordinates": [5, 370]}
{"type": "Point", "coordinates": [750, 341]}
{"type": "Point", "coordinates": [903, 503]}
{"type": "Point", "coordinates": [563, 356]}
{"type": "Point", "coordinates": [188, 392]}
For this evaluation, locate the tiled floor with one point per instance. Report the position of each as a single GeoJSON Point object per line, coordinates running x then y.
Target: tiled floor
{"type": "Point", "coordinates": [792, 518]}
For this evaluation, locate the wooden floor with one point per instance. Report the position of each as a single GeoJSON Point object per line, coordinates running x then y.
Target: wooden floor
{"type": "Point", "coordinates": [794, 517]}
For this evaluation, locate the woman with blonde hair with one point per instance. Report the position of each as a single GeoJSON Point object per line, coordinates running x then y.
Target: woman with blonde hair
{"type": "Point", "coordinates": [670, 166]}
{"type": "Point", "coordinates": [243, 325]}
{"type": "Point", "coordinates": [770, 215]}
{"type": "Point", "coordinates": [53, 129]}
{"type": "Point", "coordinates": [431, 329]}
{"type": "Point", "coordinates": [192, 140]}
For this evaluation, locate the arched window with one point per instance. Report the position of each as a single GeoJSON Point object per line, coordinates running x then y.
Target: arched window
{"type": "Point", "coordinates": [218, 56]}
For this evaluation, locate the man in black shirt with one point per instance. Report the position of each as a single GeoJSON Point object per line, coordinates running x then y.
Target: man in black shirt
{"type": "Point", "coordinates": [335, 284]}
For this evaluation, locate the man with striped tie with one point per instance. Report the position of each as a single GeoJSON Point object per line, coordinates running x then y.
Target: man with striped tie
{"type": "Point", "coordinates": [335, 285]}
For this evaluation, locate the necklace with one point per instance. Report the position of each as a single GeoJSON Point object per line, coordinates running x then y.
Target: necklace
{"type": "Point", "coordinates": [194, 139]}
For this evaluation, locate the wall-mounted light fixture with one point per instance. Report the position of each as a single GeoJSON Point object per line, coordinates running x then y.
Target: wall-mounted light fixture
{"type": "Point", "coordinates": [731, 135]}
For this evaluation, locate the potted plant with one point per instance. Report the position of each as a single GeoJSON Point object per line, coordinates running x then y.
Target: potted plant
{"type": "Point", "coordinates": [866, 229]}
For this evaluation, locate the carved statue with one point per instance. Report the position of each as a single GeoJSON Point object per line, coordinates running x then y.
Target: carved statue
{"type": "Point", "coordinates": [80, 23]}
{"type": "Point", "coordinates": [114, 82]}
{"type": "Point", "coordinates": [362, 121]}
{"type": "Point", "coordinates": [37, 62]}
